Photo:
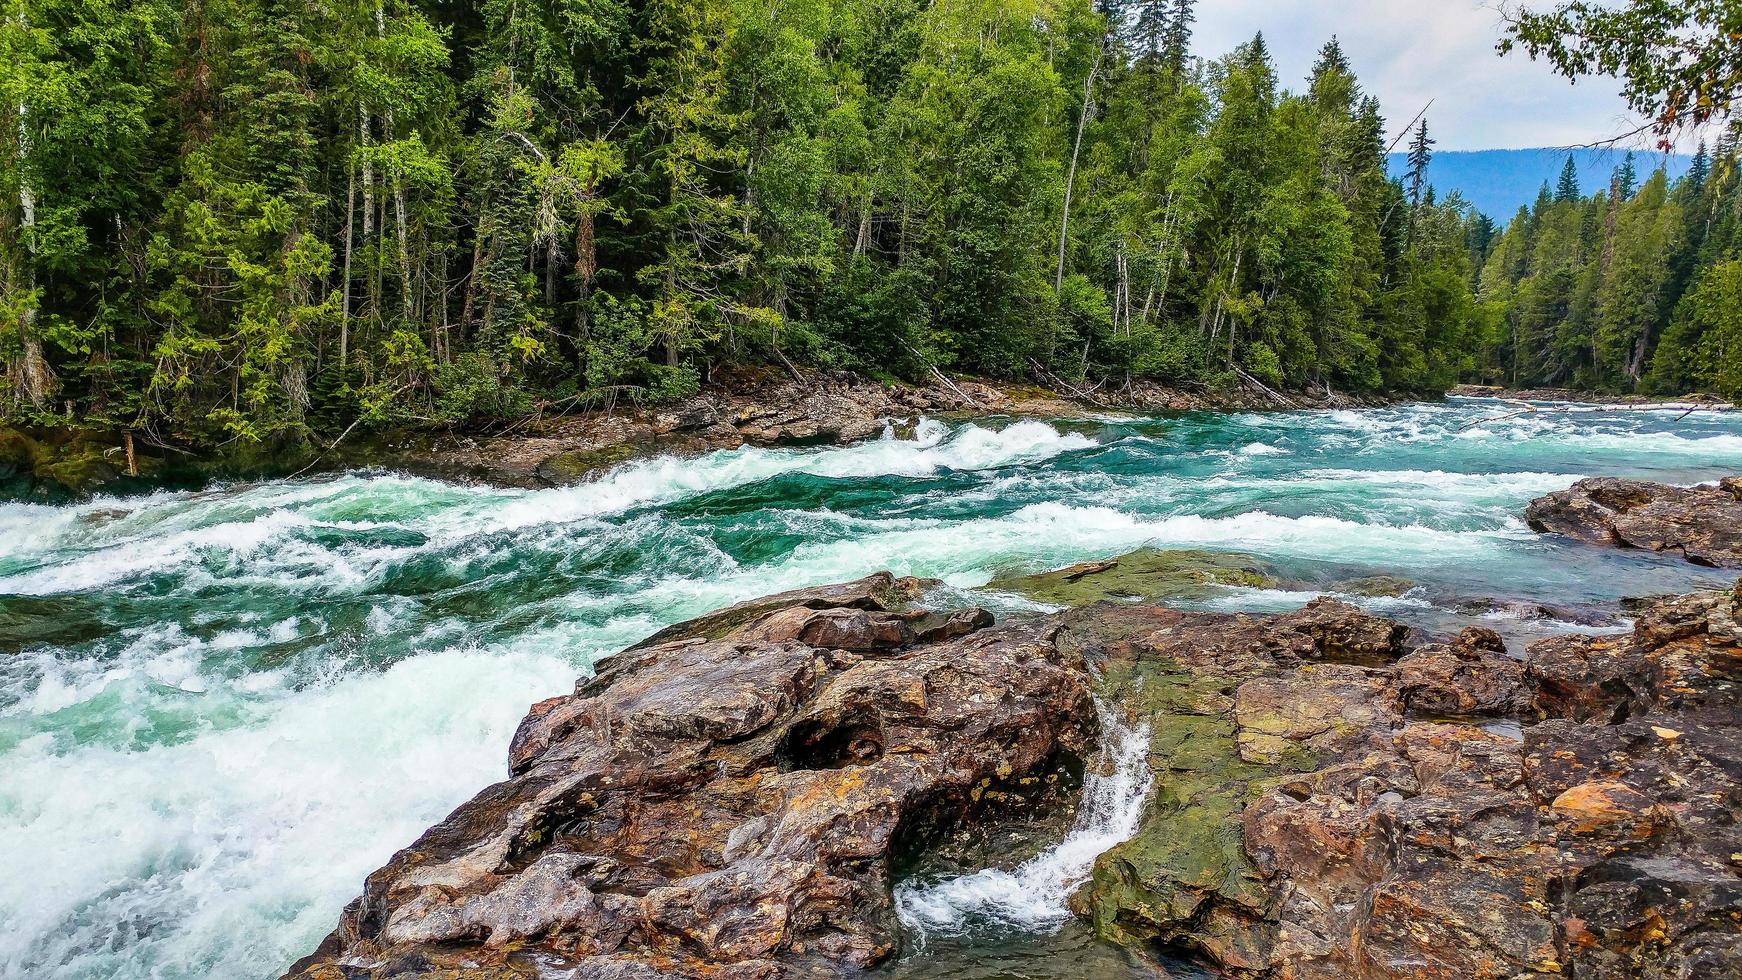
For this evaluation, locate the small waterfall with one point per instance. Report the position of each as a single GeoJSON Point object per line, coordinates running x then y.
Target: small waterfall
{"type": "Point", "coordinates": [1032, 895]}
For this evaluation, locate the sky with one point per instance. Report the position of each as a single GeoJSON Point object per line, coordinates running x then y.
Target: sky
{"type": "Point", "coordinates": [1409, 51]}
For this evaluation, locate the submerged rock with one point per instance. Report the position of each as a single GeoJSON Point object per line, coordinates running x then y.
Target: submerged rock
{"type": "Point", "coordinates": [1702, 524]}
{"type": "Point", "coordinates": [1147, 574]}
{"type": "Point", "coordinates": [1530, 611]}
{"type": "Point", "coordinates": [727, 802]}
{"type": "Point", "coordinates": [1377, 586]}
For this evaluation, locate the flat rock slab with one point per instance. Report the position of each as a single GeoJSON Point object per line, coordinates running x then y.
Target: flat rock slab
{"type": "Point", "coordinates": [1701, 524]}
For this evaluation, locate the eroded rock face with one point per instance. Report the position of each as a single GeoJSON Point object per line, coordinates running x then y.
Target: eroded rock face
{"type": "Point", "coordinates": [725, 803]}
{"type": "Point", "coordinates": [1702, 524]}
{"type": "Point", "coordinates": [1365, 819]}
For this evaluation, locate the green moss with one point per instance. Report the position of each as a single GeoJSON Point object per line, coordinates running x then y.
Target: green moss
{"type": "Point", "coordinates": [572, 467]}
{"type": "Point", "coordinates": [1376, 585]}
{"type": "Point", "coordinates": [1148, 574]}
{"type": "Point", "coordinates": [1188, 850]}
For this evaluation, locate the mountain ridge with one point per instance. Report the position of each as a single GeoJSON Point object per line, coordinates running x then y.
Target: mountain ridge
{"type": "Point", "coordinates": [1499, 182]}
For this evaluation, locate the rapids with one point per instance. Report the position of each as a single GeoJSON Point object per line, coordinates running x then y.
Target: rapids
{"type": "Point", "coordinates": [219, 710]}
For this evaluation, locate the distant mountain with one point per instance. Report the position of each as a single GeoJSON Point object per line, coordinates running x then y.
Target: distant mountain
{"type": "Point", "coordinates": [1498, 182]}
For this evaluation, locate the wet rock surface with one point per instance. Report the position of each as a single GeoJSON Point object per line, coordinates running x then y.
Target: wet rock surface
{"type": "Point", "coordinates": [728, 803]}
{"type": "Point", "coordinates": [1364, 811]}
{"type": "Point", "coordinates": [1148, 574]}
{"type": "Point", "coordinates": [730, 798]}
{"type": "Point", "coordinates": [1701, 524]}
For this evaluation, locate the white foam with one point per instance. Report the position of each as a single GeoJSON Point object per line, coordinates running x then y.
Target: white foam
{"type": "Point", "coordinates": [1032, 895]}
{"type": "Point", "coordinates": [229, 854]}
{"type": "Point", "coordinates": [934, 448]}
{"type": "Point", "coordinates": [1262, 449]}
{"type": "Point", "coordinates": [60, 551]}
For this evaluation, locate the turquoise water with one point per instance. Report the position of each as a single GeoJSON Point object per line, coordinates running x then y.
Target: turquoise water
{"type": "Point", "coordinates": [220, 710]}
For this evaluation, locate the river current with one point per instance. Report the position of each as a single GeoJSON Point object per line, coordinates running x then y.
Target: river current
{"type": "Point", "coordinates": [219, 710]}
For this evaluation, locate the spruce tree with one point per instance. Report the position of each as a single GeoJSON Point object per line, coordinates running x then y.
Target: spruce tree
{"type": "Point", "coordinates": [1567, 188]}
{"type": "Point", "coordinates": [1626, 179]}
{"type": "Point", "coordinates": [1420, 155]}
{"type": "Point", "coordinates": [1177, 38]}
{"type": "Point", "coordinates": [1699, 169]}
{"type": "Point", "coordinates": [1150, 28]}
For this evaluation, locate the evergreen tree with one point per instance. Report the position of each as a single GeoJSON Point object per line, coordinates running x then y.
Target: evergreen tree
{"type": "Point", "coordinates": [1149, 27]}
{"type": "Point", "coordinates": [1626, 179]}
{"type": "Point", "coordinates": [1176, 41]}
{"type": "Point", "coordinates": [247, 222]}
{"type": "Point", "coordinates": [1567, 188]}
{"type": "Point", "coordinates": [1420, 155]}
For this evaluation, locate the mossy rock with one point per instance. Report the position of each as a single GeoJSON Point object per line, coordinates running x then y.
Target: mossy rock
{"type": "Point", "coordinates": [1148, 574]}
{"type": "Point", "coordinates": [55, 464]}
{"type": "Point", "coordinates": [1376, 586]}
{"type": "Point", "coordinates": [572, 467]}
{"type": "Point", "coordinates": [1188, 855]}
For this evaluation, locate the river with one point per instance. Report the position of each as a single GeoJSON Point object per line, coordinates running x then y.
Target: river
{"type": "Point", "coordinates": [219, 710]}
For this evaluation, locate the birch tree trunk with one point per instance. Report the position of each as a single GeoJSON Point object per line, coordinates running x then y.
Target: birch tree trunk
{"type": "Point", "coordinates": [345, 278]}
{"type": "Point", "coordinates": [34, 374]}
{"type": "Point", "coordinates": [1058, 281]}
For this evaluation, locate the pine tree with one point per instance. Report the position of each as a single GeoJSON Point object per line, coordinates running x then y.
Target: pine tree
{"type": "Point", "coordinates": [1150, 28]}
{"type": "Point", "coordinates": [1699, 169]}
{"type": "Point", "coordinates": [1177, 38]}
{"type": "Point", "coordinates": [1626, 178]}
{"type": "Point", "coordinates": [1567, 188]}
{"type": "Point", "coordinates": [1420, 155]}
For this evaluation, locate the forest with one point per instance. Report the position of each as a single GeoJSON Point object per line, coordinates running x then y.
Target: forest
{"type": "Point", "coordinates": [244, 220]}
{"type": "Point", "coordinates": [1634, 289]}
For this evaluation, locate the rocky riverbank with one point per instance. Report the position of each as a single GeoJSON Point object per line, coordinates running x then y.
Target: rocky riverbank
{"type": "Point", "coordinates": [733, 797]}
{"type": "Point", "coordinates": [564, 444]}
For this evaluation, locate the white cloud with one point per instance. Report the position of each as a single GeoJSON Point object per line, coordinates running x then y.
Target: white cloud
{"type": "Point", "coordinates": [1409, 51]}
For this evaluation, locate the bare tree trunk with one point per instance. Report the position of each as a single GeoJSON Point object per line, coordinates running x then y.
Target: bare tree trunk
{"type": "Point", "coordinates": [409, 310]}
{"type": "Point", "coordinates": [345, 279]}
{"type": "Point", "coordinates": [479, 235]}
{"type": "Point", "coordinates": [34, 374]}
{"type": "Point", "coordinates": [1058, 281]}
{"type": "Point", "coordinates": [863, 241]}
{"type": "Point", "coordinates": [1168, 221]}
{"type": "Point", "coordinates": [368, 172]}
{"type": "Point", "coordinates": [749, 193]}
{"type": "Point", "coordinates": [446, 344]}
{"type": "Point", "coordinates": [586, 266]}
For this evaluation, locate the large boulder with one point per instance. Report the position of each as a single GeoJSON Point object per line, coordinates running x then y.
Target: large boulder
{"type": "Point", "coordinates": [728, 802]}
{"type": "Point", "coordinates": [1701, 524]}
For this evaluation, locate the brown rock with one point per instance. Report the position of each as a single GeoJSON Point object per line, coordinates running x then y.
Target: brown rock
{"type": "Point", "coordinates": [1470, 678]}
{"type": "Point", "coordinates": [727, 803]}
{"type": "Point", "coordinates": [1701, 524]}
{"type": "Point", "coordinates": [1601, 845]}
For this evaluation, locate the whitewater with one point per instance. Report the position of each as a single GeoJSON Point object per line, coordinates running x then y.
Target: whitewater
{"type": "Point", "coordinates": [219, 710]}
